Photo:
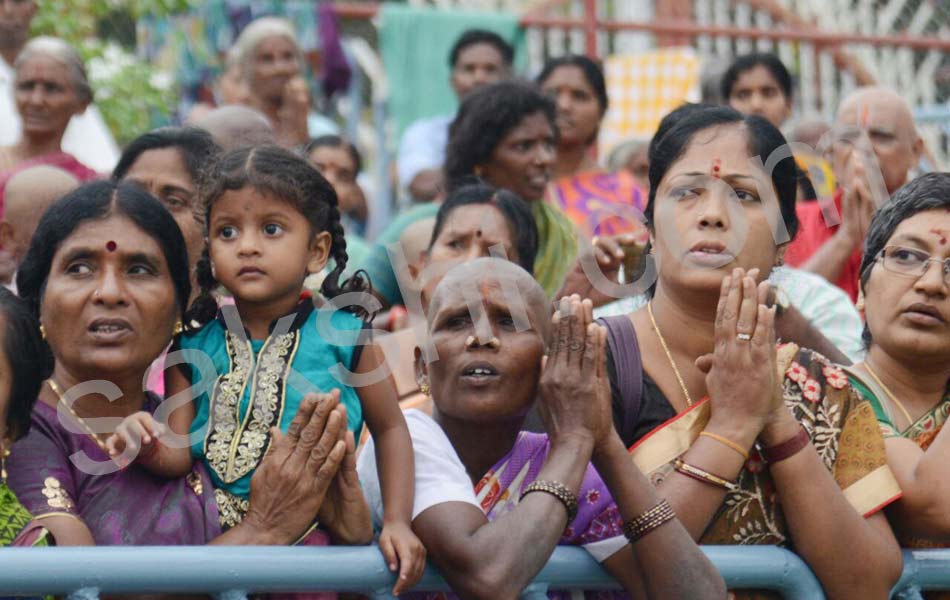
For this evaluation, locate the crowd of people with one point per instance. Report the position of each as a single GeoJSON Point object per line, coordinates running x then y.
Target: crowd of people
{"type": "Point", "coordinates": [693, 347]}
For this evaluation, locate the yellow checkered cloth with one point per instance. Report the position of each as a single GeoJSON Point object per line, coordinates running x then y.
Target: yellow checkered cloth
{"type": "Point", "coordinates": [643, 89]}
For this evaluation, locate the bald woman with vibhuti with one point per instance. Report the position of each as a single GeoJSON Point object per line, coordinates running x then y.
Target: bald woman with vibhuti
{"type": "Point", "coordinates": [28, 194]}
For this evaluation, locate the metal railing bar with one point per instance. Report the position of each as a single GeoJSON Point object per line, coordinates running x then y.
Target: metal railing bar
{"type": "Point", "coordinates": [171, 569]}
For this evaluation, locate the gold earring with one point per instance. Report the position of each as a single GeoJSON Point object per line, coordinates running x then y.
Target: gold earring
{"type": "Point", "coordinates": [424, 388]}
{"type": "Point", "coordinates": [4, 453]}
{"type": "Point", "coordinates": [42, 331]}
{"type": "Point", "coordinates": [178, 328]}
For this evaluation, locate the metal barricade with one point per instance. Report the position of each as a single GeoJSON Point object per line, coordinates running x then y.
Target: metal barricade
{"type": "Point", "coordinates": [235, 570]}
{"type": "Point", "coordinates": [231, 572]}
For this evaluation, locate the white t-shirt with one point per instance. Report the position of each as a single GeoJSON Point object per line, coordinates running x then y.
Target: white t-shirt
{"type": "Point", "coordinates": [826, 306]}
{"type": "Point", "coordinates": [440, 477]}
{"type": "Point", "coordinates": [87, 137]}
{"type": "Point", "coordinates": [440, 474]}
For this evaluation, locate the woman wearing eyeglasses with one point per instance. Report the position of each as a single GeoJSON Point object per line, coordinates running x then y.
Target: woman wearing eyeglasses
{"type": "Point", "coordinates": [905, 276]}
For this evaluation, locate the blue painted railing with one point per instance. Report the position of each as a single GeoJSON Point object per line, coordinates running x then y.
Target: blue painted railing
{"type": "Point", "coordinates": [236, 570]}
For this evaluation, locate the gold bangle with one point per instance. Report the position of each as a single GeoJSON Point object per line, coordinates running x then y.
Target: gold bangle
{"type": "Point", "coordinates": [726, 442]}
{"type": "Point", "coordinates": [704, 476]}
{"type": "Point", "coordinates": [559, 491]}
{"type": "Point", "coordinates": [636, 528]}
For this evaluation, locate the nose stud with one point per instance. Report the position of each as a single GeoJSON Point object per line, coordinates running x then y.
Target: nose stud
{"type": "Point", "coordinates": [471, 342]}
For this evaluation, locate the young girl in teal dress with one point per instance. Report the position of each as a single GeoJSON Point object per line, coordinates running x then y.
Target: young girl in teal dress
{"type": "Point", "coordinates": [271, 221]}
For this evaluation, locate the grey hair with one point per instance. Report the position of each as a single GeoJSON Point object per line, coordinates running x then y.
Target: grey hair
{"type": "Point", "coordinates": [926, 192]}
{"type": "Point", "coordinates": [256, 32]}
{"type": "Point", "coordinates": [65, 55]}
{"type": "Point", "coordinates": [621, 154]}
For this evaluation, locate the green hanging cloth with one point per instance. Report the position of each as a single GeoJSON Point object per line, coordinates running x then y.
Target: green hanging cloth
{"type": "Point", "coordinates": [557, 246]}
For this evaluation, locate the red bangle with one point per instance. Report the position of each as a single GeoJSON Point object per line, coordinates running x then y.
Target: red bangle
{"type": "Point", "coordinates": [788, 448]}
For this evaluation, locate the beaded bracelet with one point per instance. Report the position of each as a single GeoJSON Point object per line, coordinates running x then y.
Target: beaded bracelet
{"type": "Point", "coordinates": [559, 491]}
{"type": "Point", "coordinates": [704, 476]}
{"type": "Point", "coordinates": [638, 527]}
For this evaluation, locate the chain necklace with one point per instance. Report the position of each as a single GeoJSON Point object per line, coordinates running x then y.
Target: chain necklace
{"type": "Point", "coordinates": [82, 423]}
{"type": "Point", "coordinates": [889, 393]}
{"type": "Point", "coordinates": [669, 355]}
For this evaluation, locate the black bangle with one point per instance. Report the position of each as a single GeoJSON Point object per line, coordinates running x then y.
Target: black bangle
{"type": "Point", "coordinates": [559, 491]}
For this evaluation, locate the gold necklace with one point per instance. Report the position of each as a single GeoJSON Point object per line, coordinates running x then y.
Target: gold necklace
{"type": "Point", "coordinates": [669, 355]}
{"type": "Point", "coordinates": [889, 393]}
{"type": "Point", "coordinates": [82, 423]}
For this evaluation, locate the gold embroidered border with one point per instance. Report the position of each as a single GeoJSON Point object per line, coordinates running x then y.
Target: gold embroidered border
{"type": "Point", "coordinates": [874, 491]}
{"type": "Point", "coordinates": [223, 412]}
{"type": "Point", "coordinates": [235, 442]}
{"type": "Point", "coordinates": [671, 439]}
{"type": "Point", "coordinates": [231, 508]}
{"type": "Point", "coordinates": [267, 403]}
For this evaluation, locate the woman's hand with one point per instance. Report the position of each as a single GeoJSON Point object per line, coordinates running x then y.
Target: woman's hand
{"type": "Point", "coordinates": [403, 551]}
{"type": "Point", "coordinates": [291, 483]}
{"type": "Point", "coordinates": [344, 512]}
{"type": "Point", "coordinates": [741, 372]}
{"type": "Point", "coordinates": [292, 115]}
{"type": "Point", "coordinates": [605, 254]}
{"type": "Point", "coordinates": [571, 396]}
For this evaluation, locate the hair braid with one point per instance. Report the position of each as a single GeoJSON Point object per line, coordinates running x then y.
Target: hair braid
{"type": "Point", "coordinates": [205, 306]}
{"type": "Point", "coordinates": [332, 286]}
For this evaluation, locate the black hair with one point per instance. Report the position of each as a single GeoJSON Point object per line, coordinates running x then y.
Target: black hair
{"type": "Point", "coordinates": [196, 146]}
{"type": "Point", "coordinates": [516, 211]}
{"type": "Point", "coordinates": [333, 141]}
{"type": "Point", "coordinates": [592, 71]}
{"type": "Point", "coordinates": [27, 356]}
{"type": "Point", "coordinates": [484, 118]}
{"type": "Point", "coordinates": [95, 201]}
{"type": "Point", "coordinates": [672, 118]}
{"type": "Point", "coordinates": [747, 62]}
{"type": "Point", "coordinates": [764, 139]}
{"type": "Point", "coordinates": [284, 175]}
{"type": "Point", "coordinates": [926, 192]}
{"type": "Point", "coordinates": [473, 37]}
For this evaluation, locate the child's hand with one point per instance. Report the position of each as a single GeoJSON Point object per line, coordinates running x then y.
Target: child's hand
{"type": "Point", "coordinates": [136, 436]}
{"type": "Point", "coordinates": [402, 548]}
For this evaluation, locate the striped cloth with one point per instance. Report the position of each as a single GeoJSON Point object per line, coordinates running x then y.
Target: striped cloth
{"type": "Point", "coordinates": [643, 88]}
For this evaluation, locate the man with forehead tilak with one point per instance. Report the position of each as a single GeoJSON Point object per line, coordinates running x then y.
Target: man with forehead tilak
{"type": "Point", "coordinates": [872, 148]}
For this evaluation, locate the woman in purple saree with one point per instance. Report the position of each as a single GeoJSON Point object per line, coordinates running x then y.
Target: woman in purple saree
{"type": "Point", "coordinates": [492, 501]}
{"type": "Point", "coordinates": [107, 275]}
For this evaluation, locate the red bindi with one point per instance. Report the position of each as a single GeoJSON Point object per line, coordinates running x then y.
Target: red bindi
{"type": "Point", "coordinates": [111, 246]}
{"type": "Point", "coordinates": [716, 166]}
